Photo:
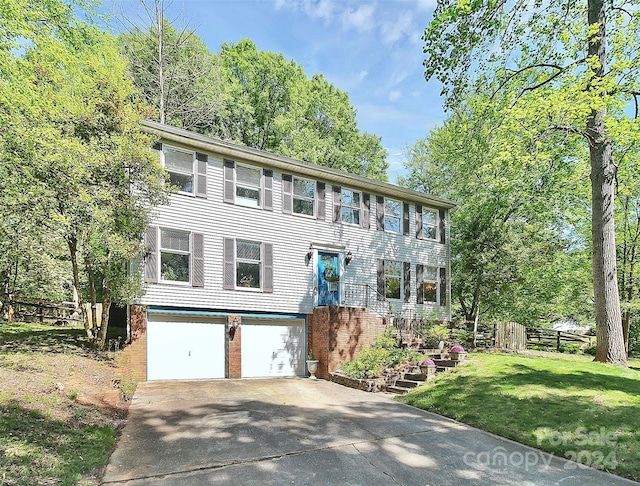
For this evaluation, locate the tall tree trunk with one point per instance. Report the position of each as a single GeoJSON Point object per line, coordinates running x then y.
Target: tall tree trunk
{"type": "Point", "coordinates": [106, 306]}
{"type": "Point", "coordinates": [610, 346]}
{"type": "Point", "coordinates": [72, 243]}
{"type": "Point", "coordinates": [93, 299]}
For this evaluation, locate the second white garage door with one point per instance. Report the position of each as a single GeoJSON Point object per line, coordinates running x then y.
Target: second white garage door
{"type": "Point", "coordinates": [273, 347]}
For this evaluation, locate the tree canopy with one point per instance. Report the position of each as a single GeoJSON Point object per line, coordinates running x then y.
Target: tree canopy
{"type": "Point", "coordinates": [555, 67]}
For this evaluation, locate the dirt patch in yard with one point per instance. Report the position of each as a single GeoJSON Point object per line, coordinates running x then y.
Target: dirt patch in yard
{"type": "Point", "coordinates": [59, 413]}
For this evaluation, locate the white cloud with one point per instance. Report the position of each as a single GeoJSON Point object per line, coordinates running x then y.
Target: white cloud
{"type": "Point", "coordinates": [362, 18]}
{"type": "Point", "coordinates": [394, 30]}
{"type": "Point", "coordinates": [426, 4]}
{"type": "Point", "coordinates": [395, 95]}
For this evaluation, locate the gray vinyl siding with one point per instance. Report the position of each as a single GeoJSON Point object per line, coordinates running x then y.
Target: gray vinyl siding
{"type": "Point", "coordinates": [290, 236]}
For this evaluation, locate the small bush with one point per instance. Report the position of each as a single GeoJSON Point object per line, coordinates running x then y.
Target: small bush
{"type": "Point", "coordinates": [590, 350]}
{"type": "Point", "coordinates": [570, 348]}
{"type": "Point", "coordinates": [437, 333]}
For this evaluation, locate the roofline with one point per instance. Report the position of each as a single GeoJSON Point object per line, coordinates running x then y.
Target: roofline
{"type": "Point", "coordinates": [287, 164]}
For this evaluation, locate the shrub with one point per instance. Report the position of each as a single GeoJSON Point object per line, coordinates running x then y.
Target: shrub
{"type": "Point", "coordinates": [369, 364]}
{"type": "Point", "coordinates": [457, 349]}
{"type": "Point", "coordinates": [590, 350]}
{"type": "Point", "coordinates": [436, 333]}
{"type": "Point", "coordinates": [571, 348]}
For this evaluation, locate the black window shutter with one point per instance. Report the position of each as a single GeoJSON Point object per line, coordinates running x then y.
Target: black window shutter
{"type": "Point", "coordinates": [379, 213]}
{"type": "Point", "coordinates": [229, 190]}
{"type": "Point", "coordinates": [407, 281]}
{"type": "Point", "coordinates": [157, 146]}
{"type": "Point", "coordinates": [419, 221]}
{"type": "Point", "coordinates": [405, 219]}
{"type": "Point", "coordinates": [268, 190]}
{"type": "Point", "coordinates": [197, 260]}
{"type": "Point", "coordinates": [337, 204]}
{"type": "Point", "coordinates": [287, 203]}
{"type": "Point", "coordinates": [201, 174]}
{"type": "Point", "coordinates": [267, 284]}
{"type": "Point", "coordinates": [442, 217]}
{"type": "Point", "coordinates": [382, 294]}
{"type": "Point", "coordinates": [320, 188]}
{"type": "Point", "coordinates": [151, 254]}
{"type": "Point", "coordinates": [229, 272]}
{"type": "Point", "coordinates": [443, 286]}
{"type": "Point", "coordinates": [366, 210]}
{"type": "Point", "coordinates": [420, 286]}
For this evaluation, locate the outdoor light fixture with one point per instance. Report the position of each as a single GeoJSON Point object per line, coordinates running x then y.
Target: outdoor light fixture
{"type": "Point", "coordinates": [348, 258]}
{"type": "Point", "coordinates": [235, 324]}
{"type": "Point", "coordinates": [310, 252]}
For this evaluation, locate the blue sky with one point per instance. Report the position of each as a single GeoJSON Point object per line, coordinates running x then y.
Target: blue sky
{"type": "Point", "coordinates": [370, 49]}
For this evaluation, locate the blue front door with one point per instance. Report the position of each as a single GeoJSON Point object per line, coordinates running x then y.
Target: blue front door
{"type": "Point", "coordinates": [328, 275]}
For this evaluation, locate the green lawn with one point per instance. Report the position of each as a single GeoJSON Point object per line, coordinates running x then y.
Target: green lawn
{"type": "Point", "coordinates": [564, 404]}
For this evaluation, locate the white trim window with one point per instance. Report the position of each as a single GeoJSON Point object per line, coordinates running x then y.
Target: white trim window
{"type": "Point", "coordinates": [248, 186]}
{"type": "Point", "coordinates": [304, 197]}
{"type": "Point", "coordinates": [350, 210]}
{"type": "Point", "coordinates": [179, 164]}
{"type": "Point", "coordinates": [430, 287]}
{"type": "Point", "coordinates": [175, 255]}
{"type": "Point", "coordinates": [248, 264]}
{"type": "Point", "coordinates": [430, 224]}
{"type": "Point", "coordinates": [393, 216]}
{"type": "Point", "coordinates": [393, 279]}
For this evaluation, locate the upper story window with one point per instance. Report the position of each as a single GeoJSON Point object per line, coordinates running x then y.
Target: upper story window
{"type": "Point", "coordinates": [179, 164]}
{"type": "Point", "coordinates": [175, 255]}
{"type": "Point", "coordinates": [392, 279]}
{"type": "Point", "coordinates": [187, 169]}
{"type": "Point", "coordinates": [430, 224]}
{"type": "Point", "coordinates": [248, 186]}
{"type": "Point", "coordinates": [350, 210]}
{"type": "Point", "coordinates": [304, 194]}
{"type": "Point", "coordinates": [392, 216]}
{"type": "Point", "coordinates": [248, 264]}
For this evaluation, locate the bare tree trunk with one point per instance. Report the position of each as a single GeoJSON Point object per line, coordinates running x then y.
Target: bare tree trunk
{"type": "Point", "coordinates": [93, 298]}
{"type": "Point", "coordinates": [159, 7]}
{"type": "Point", "coordinates": [610, 346]}
{"type": "Point", "coordinates": [106, 306]}
{"type": "Point", "coordinates": [72, 242]}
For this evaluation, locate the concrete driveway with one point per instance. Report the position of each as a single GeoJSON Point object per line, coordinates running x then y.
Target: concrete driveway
{"type": "Point", "coordinates": [305, 432]}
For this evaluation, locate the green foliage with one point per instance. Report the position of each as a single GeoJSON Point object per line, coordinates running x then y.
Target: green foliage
{"type": "Point", "coordinates": [383, 354]}
{"type": "Point", "coordinates": [590, 350]}
{"type": "Point", "coordinates": [570, 348]}
{"type": "Point", "coordinates": [72, 143]}
{"type": "Point", "coordinates": [436, 333]}
{"type": "Point", "coordinates": [256, 98]}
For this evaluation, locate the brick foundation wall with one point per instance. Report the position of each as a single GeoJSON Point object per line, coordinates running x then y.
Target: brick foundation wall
{"type": "Point", "coordinates": [134, 354]}
{"type": "Point", "coordinates": [337, 334]}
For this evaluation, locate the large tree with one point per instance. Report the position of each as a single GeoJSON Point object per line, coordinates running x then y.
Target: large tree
{"type": "Point", "coordinates": [509, 236]}
{"type": "Point", "coordinates": [71, 141]}
{"type": "Point", "coordinates": [567, 65]}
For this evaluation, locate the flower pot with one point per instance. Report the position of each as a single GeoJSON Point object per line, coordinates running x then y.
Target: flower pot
{"type": "Point", "coordinates": [428, 370]}
{"type": "Point", "coordinates": [457, 356]}
{"type": "Point", "coordinates": [312, 366]}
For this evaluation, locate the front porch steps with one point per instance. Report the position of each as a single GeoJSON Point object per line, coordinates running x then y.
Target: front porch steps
{"type": "Point", "coordinates": [410, 379]}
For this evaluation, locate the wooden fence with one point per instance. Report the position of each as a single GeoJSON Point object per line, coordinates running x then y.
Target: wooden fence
{"type": "Point", "coordinates": [500, 335]}
{"type": "Point", "coordinates": [548, 338]}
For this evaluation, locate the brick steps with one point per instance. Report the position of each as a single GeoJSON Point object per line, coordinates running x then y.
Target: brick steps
{"type": "Point", "coordinates": [410, 379]}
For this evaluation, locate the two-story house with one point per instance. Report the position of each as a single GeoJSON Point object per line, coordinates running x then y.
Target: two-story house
{"type": "Point", "coordinates": [259, 259]}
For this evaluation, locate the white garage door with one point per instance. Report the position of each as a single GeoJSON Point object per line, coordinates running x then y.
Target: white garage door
{"type": "Point", "coordinates": [184, 348]}
{"type": "Point", "coordinates": [272, 347]}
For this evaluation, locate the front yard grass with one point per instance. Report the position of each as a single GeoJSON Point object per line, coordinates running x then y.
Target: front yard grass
{"type": "Point", "coordinates": [55, 427]}
{"type": "Point", "coordinates": [567, 405]}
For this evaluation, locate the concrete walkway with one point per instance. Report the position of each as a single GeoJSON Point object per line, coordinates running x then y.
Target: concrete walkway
{"type": "Point", "coordinates": [305, 432]}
